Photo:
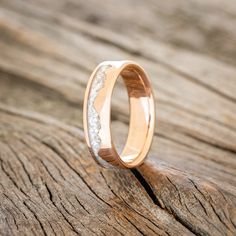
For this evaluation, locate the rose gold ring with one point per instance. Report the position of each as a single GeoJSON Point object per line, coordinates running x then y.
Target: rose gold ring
{"type": "Point", "coordinates": [97, 112]}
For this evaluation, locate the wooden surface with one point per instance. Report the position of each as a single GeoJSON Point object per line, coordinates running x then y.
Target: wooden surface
{"type": "Point", "coordinates": [49, 184]}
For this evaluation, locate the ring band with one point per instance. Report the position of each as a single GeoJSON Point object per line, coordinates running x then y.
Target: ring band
{"type": "Point", "coordinates": [97, 114]}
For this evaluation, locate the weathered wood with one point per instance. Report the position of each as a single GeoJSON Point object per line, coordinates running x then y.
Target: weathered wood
{"type": "Point", "coordinates": [49, 184]}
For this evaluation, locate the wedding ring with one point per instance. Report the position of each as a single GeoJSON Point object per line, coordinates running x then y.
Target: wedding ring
{"type": "Point", "coordinates": [97, 114]}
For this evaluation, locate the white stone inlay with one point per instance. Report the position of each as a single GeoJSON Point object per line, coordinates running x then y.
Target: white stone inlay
{"type": "Point", "coordinates": [94, 124]}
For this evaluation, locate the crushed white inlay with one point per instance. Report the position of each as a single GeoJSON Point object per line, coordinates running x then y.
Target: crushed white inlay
{"type": "Point", "coordinates": [94, 124]}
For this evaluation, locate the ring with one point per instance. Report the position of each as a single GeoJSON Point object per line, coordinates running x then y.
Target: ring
{"type": "Point", "coordinates": [97, 114]}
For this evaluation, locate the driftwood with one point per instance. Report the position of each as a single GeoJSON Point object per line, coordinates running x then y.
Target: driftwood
{"type": "Point", "coordinates": [50, 185]}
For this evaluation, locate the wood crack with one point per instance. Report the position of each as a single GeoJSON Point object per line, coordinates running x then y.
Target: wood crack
{"type": "Point", "coordinates": [146, 186]}
{"type": "Point", "coordinates": [155, 200]}
{"type": "Point", "coordinates": [59, 210]}
{"type": "Point", "coordinates": [37, 218]}
{"type": "Point", "coordinates": [75, 171]}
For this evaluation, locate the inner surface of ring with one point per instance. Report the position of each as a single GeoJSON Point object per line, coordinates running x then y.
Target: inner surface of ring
{"type": "Point", "coordinates": [139, 98]}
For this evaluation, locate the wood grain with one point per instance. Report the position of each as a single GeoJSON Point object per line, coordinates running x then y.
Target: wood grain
{"type": "Point", "coordinates": [50, 185]}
